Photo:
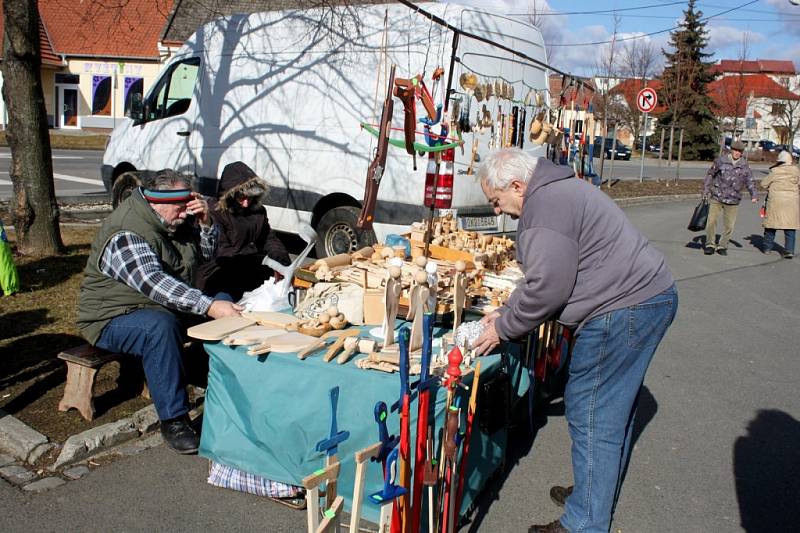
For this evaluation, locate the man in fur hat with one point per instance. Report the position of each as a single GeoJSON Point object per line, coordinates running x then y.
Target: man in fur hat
{"type": "Point", "coordinates": [245, 236]}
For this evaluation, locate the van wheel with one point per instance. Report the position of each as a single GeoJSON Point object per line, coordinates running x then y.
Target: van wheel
{"type": "Point", "coordinates": [123, 186]}
{"type": "Point", "coordinates": [338, 233]}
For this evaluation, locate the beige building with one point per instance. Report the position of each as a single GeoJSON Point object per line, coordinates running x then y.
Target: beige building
{"type": "Point", "coordinates": [97, 59]}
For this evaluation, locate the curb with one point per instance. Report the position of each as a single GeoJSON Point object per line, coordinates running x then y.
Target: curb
{"type": "Point", "coordinates": [646, 200]}
{"type": "Point", "coordinates": [22, 446]}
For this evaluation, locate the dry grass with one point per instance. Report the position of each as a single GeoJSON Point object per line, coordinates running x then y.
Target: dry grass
{"type": "Point", "coordinates": [36, 324]}
{"type": "Point", "coordinates": [634, 189]}
{"type": "Point", "coordinates": [70, 141]}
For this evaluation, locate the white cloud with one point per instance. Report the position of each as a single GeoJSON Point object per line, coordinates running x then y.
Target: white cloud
{"type": "Point", "coordinates": [500, 6]}
{"type": "Point", "coordinates": [721, 37]}
{"type": "Point", "coordinates": [790, 23]}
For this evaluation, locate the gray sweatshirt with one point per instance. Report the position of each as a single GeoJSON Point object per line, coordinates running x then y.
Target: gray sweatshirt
{"type": "Point", "coordinates": [580, 254]}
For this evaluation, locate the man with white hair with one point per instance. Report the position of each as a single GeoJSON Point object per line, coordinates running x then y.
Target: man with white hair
{"type": "Point", "coordinates": [588, 267]}
{"type": "Point", "coordinates": [136, 284]}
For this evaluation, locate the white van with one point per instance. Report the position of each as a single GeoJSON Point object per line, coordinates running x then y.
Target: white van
{"type": "Point", "coordinates": [286, 92]}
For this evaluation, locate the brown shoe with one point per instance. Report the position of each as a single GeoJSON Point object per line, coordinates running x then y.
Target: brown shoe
{"type": "Point", "coordinates": [552, 527]}
{"type": "Point", "coordinates": [560, 494]}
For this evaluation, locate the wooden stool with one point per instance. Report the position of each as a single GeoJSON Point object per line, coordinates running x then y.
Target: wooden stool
{"type": "Point", "coordinates": [83, 362]}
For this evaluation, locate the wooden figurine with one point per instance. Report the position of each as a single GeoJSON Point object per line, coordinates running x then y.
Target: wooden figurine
{"type": "Point", "coordinates": [418, 298]}
{"type": "Point", "coordinates": [459, 292]}
{"type": "Point", "coordinates": [433, 286]}
{"type": "Point", "coordinates": [391, 299]}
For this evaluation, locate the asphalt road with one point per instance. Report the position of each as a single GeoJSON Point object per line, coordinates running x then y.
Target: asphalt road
{"type": "Point", "coordinates": [716, 447]}
{"type": "Point", "coordinates": [655, 169]}
{"type": "Point", "coordinates": [77, 172]}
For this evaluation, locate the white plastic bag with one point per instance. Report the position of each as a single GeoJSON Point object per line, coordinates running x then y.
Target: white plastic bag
{"type": "Point", "coordinates": [270, 296]}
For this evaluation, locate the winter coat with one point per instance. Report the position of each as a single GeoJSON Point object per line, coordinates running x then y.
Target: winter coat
{"type": "Point", "coordinates": [726, 178]}
{"type": "Point", "coordinates": [245, 239]}
{"type": "Point", "coordinates": [783, 200]}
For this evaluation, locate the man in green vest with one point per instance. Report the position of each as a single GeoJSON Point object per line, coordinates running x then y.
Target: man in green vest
{"type": "Point", "coordinates": [137, 283]}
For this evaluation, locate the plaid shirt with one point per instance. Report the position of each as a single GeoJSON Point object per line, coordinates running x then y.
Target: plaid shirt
{"type": "Point", "coordinates": [130, 259]}
{"type": "Point", "coordinates": [228, 477]}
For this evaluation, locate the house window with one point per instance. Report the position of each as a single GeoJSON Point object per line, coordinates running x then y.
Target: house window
{"type": "Point", "coordinates": [778, 109]}
{"type": "Point", "coordinates": [750, 123]}
{"type": "Point", "coordinates": [68, 79]}
{"type": "Point", "coordinates": [785, 82]}
{"type": "Point", "coordinates": [101, 95]}
{"type": "Point", "coordinates": [134, 89]}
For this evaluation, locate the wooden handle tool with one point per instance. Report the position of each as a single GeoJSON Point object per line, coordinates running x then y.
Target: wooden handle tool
{"type": "Point", "coordinates": [302, 354]}
{"type": "Point", "coordinates": [337, 345]}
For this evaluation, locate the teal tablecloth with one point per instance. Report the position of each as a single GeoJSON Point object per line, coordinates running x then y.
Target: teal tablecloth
{"type": "Point", "coordinates": [264, 415]}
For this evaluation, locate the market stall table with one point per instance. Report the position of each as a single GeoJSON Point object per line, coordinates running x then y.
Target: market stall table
{"type": "Point", "coordinates": [264, 415]}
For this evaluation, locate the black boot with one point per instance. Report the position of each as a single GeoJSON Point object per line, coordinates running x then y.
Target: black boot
{"type": "Point", "coordinates": [179, 435]}
{"type": "Point", "coordinates": [552, 527]}
{"type": "Point", "coordinates": [560, 494]}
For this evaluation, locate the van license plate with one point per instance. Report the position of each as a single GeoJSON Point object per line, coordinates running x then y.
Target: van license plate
{"type": "Point", "coordinates": [479, 223]}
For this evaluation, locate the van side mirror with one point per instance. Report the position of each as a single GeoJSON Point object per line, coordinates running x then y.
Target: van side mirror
{"type": "Point", "coordinates": [136, 112]}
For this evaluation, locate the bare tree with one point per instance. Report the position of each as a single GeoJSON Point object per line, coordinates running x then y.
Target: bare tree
{"type": "Point", "coordinates": [638, 63]}
{"type": "Point", "coordinates": [34, 210]}
{"type": "Point", "coordinates": [607, 69]}
{"type": "Point", "coordinates": [638, 59]}
{"type": "Point", "coordinates": [537, 16]}
{"type": "Point", "coordinates": [786, 113]}
{"type": "Point", "coordinates": [732, 93]}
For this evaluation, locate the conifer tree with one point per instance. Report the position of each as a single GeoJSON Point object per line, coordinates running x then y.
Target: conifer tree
{"type": "Point", "coordinates": [686, 77]}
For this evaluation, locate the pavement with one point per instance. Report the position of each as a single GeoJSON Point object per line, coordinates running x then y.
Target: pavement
{"type": "Point", "coordinates": [716, 444]}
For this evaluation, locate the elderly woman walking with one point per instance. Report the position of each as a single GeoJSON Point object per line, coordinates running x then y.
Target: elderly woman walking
{"type": "Point", "coordinates": [783, 204]}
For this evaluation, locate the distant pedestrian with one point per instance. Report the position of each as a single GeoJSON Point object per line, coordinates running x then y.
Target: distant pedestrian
{"type": "Point", "coordinates": [723, 186]}
{"type": "Point", "coordinates": [783, 204]}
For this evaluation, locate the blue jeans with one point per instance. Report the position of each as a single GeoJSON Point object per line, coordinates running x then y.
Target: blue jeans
{"type": "Point", "coordinates": [769, 239]}
{"type": "Point", "coordinates": [609, 360]}
{"type": "Point", "coordinates": [156, 337]}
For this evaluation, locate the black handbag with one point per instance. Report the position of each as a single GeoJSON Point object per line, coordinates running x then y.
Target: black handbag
{"type": "Point", "coordinates": [494, 402]}
{"type": "Point", "coordinates": [699, 217]}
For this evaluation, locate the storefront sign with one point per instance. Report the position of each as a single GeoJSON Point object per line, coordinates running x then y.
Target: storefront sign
{"type": "Point", "coordinates": [110, 68]}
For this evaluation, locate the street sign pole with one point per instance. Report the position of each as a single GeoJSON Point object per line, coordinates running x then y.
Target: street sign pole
{"type": "Point", "coordinates": [644, 136]}
{"type": "Point", "coordinates": [646, 101]}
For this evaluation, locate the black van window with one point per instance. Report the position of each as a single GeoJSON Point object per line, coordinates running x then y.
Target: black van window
{"type": "Point", "coordinates": [172, 94]}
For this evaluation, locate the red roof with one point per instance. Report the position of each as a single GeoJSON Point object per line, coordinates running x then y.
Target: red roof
{"type": "Point", "coordinates": [630, 88]}
{"type": "Point", "coordinates": [49, 57]}
{"type": "Point", "coordinates": [730, 93]}
{"type": "Point", "coordinates": [757, 66]}
{"type": "Point", "coordinates": [580, 93]}
{"type": "Point", "coordinates": [91, 29]}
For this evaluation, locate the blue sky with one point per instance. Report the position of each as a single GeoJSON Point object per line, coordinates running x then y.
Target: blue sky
{"type": "Point", "coordinates": [771, 27]}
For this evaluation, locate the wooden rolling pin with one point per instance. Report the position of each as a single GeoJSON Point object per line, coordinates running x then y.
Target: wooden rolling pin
{"type": "Point", "coordinates": [341, 259]}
